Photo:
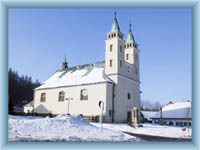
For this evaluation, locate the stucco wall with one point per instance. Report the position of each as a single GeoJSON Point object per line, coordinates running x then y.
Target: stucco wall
{"type": "Point", "coordinates": [121, 102]}
{"type": "Point", "coordinates": [96, 92]}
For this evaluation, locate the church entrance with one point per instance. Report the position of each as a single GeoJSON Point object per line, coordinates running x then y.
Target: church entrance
{"type": "Point", "coordinates": [129, 117]}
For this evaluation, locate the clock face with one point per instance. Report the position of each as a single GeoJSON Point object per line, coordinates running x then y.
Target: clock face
{"type": "Point", "coordinates": [84, 92]}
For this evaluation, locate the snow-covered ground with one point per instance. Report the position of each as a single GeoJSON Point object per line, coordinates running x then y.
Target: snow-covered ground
{"type": "Point", "coordinates": [61, 128]}
{"type": "Point", "coordinates": [150, 129]}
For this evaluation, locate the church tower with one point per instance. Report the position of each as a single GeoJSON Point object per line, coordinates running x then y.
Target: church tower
{"type": "Point", "coordinates": [122, 67]}
{"type": "Point", "coordinates": [131, 53]}
{"type": "Point", "coordinates": [114, 54]}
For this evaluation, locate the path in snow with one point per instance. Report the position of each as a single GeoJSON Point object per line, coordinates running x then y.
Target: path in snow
{"type": "Point", "coordinates": [150, 129]}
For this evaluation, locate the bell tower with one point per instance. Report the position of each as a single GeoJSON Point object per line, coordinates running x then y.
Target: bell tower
{"type": "Point", "coordinates": [114, 54]}
{"type": "Point", "coordinates": [131, 52]}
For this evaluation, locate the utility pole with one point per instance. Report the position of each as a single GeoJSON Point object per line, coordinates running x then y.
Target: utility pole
{"type": "Point", "coordinates": [101, 105]}
{"type": "Point", "coordinates": [161, 116]}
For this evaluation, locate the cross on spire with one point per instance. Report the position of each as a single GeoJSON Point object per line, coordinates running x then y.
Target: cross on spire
{"type": "Point", "coordinates": [64, 64]}
{"type": "Point", "coordinates": [115, 14]}
{"type": "Point", "coordinates": [130, 26]}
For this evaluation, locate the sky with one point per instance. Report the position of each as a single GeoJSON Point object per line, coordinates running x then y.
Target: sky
{"type": "Point", "coordinates": [39, 40]}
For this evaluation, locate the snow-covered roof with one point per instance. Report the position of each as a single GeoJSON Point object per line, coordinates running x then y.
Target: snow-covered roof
{"type": "Point", "coordinates": [176, 110]}
{"type": "Point", "coordinates": [78, 75]}
{"type": "Point", "coordinates": [30, 104]}
{"type": "Point", "coordinates": [148, 114]}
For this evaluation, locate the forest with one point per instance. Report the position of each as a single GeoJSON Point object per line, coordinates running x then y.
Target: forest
{"type": "Point", "coordinates": [20, 90]}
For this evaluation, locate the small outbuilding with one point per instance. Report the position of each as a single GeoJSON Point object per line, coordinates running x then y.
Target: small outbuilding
{"type": "Point", "coordinates": [28, 108]}
{"type": "Point", "coordinates": [174, 114]}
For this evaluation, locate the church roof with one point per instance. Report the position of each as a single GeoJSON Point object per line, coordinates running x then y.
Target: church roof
{"type": "Point", "coordinates": [115, 25]}
{"type": "Point", "coordinates": [78, 75]}
{"type": "Point", "coordinates": [130, 37]}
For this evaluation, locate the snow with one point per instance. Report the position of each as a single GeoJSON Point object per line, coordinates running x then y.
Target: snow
{"type": "Point", "coordinates": [177, 105]}
{"type": "Point", "coordinates": [148, 114]}
{"type": "Point", "coordinates": [150, 129]}
{"type": "Point", "coordinates": [61, 128]}
{"type": "Point", "coordinates": [86, 74]}
{"type": "Point", "coordinates": [176, 110]}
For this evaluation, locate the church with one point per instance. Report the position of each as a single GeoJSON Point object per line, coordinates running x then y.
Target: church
{"type": "Point", "coordinates": [114, 82]}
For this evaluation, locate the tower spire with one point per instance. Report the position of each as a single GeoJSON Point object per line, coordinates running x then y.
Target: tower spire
{"type": "Point", "coordinates": [115, 25]}
{"type": "Point", "coordinates": [130, 37]}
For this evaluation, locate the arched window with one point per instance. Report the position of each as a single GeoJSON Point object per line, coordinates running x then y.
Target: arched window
{"type": "Point", "coordinates": [84, 94]}
{"type": "Point", "coordinates": [61, 96]}
{"type": "Point", "coordinates": [127, 56]}
{"type": "Point", "coordinates": [43, 97]}
{"type": "Point", "coordinates": [129, 96]}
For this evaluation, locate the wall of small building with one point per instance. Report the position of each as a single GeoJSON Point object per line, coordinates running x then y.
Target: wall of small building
{"type": "Point", "coordinates": [174, 122]}
{"type": "Point", "coordinates": [90, 107]}
{"type": "Point", "coordinates": [28, 109]}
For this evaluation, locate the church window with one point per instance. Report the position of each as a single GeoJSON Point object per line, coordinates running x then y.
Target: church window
{"type": "Point", "coordinates": [43, 97]}
{"type": "Point", "coordinates": [120, 48]}
{"type": "Point", "coordinates": [114, 34]}
{"type": "Point", "coordinates": [129, 96]}
{"type": "Point", "coordinates": [61, 96]}
{"type": "Point", "coordinates": [127, 55]}
{"type": "Point", "coordinates": [111, 47]}
{"type": "Point", "coordinates": [108, 36]}
{"type": "Point", "coordinates": [110, 62]}
{"type": "Point", "coordinates": [120, 63]}
{"type": "Point", "coordinates": [84, 94]}
{"type": "Point", "coordinates": [110, 113]}
{"type": "Point", "coordinates": [135, 70]}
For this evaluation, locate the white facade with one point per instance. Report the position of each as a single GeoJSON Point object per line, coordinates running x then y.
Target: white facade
{"type": "Point", "coordinates": [115, 81]}
{"type": "Point", "coordinates": [28, 108]}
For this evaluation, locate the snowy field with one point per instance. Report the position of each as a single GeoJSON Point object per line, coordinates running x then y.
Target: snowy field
{"type": "Point", "coordinates": [151, 129]}
{"type": "Point", "coordinates": [60, 128]}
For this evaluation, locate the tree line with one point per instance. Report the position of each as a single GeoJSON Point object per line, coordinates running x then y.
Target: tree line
{"type": "Point", "coordinates": [150, 106]}
{"type": "Point", "coordinates": [20, 89]}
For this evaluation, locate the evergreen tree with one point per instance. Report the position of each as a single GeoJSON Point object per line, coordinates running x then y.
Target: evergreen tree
{"type": "Point", "coordinates": [20, 89]}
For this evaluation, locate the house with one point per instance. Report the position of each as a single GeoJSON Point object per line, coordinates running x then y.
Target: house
{"type": "Point", "coordinates": [175, 114]}
{"type": "Point", "coordinates": [115, 82]}
{"type": "Point", "coordinates": [28, 108]}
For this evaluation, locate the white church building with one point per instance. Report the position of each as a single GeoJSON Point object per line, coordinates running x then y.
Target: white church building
{"type": "Point", "coordinates": [115, 81]}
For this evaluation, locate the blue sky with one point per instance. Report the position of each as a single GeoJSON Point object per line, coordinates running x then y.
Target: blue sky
{"type": "Point", "coordinates": [39, 39]}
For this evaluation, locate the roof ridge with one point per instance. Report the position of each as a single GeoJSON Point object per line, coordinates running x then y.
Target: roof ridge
{"type": "Point", "coordinates": [84, 65]}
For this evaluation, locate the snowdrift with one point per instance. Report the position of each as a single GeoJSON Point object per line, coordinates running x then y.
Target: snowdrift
{"type": "Point", "coordinates": [61, 128]}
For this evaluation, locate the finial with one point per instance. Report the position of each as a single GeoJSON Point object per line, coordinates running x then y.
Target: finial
{"type": "Point", "coordinates": [64, 64]}
{"type": "Point", "coordinates": [115, 14]}
{"type": "Point", "coordinates": [129, 25]}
